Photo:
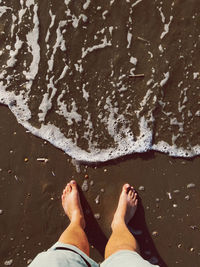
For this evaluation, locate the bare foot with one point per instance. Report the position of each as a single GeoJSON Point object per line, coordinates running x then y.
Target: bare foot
{"type": "Point", "coordinates": [71, 203]}
{"type": "Point", "coordinates": [127, 205]}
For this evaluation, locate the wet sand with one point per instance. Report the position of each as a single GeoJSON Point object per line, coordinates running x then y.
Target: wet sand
{"type": "Point", "coordinates": [166, 223]}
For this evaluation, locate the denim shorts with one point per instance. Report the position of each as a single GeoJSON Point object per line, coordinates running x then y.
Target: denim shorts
{"type": "Point", "coordinates": [63, 255]}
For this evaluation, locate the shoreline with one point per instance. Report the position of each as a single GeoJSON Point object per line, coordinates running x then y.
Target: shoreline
{"type": "Point", "coordinates": [166, 223]}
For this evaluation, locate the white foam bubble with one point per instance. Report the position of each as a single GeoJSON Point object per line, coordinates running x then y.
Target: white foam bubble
{"type": "Point", "coordinates": [117, 122]}
{"type": "Point", "coordinates": [13, 53]}
{"type": "Point", "coordinates": [3, 10]}
{"type": "Point", "coordinates": [175, 151]}
{"type": "Point", "coordinates": [87, 3]}
{"type": "Point", "coordinates": [136, 3]}
{"type": "Point", "coordinates": [14, 18]}
{"type": "Point", "coordinates": [195, 75]}
{"type": "Point", "coordinates": [29, 3]}
{"type": "Point", "coordinates": [104, 14]}
{"type": "Point", "coordinates": [166, 28]}
{"type": "Point", "coordinates": [34, 48]}
{"type": "Point", "coordinates": [50, 26]}
{"type": "Point", "coordinates": [85, 93]}
{"type": "Point", "coordinates": [166, 78]}
{"type": "Point", "coordinates": [161, 48]}
{"type": "Point", "coordinates": [102, 45]}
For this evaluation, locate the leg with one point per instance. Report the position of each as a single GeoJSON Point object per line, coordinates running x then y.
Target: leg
{"type": "Point", "coordinates": [74, 233]}
{"type": "Point", "coordinates": [121, 238]}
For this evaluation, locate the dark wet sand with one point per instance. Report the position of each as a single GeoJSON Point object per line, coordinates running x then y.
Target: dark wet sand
{"type": "Point", "coordinates": [32, 217]}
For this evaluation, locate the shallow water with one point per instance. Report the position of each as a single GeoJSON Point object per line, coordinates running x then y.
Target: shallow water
{"type": "Point", "coordinates": [102, 80]}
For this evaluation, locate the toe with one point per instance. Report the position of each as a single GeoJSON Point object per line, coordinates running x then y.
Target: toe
{"type": "Point", "coordinates": [68, 188]}
{"type": "Point", "coordinates": [73, 184]}
{"type": "Point", "coordinates": [133, 189]}
{"type": "Point", "coordinates": [131, 194]}
{"type": "Point", "coordinates": [125, 187]}
{"type": "Point", "coordinates": [135, 197]}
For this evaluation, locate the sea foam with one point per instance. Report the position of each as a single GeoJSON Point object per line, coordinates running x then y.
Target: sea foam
{"type": "Point", "coordinates": [98, 84]}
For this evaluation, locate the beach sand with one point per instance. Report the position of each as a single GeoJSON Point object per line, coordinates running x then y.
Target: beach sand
{"type": "Point", "coordinates": [166, 223]}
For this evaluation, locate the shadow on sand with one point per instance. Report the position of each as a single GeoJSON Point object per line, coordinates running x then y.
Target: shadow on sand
{"type": "Point", "coordinates": [140, 231]}
{"type": "Point", "coordinates": [95, 235]}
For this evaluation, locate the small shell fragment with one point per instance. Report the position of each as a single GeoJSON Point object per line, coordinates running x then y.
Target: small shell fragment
{"type": "Point", "coordinates": [154, 233]}
{"type": "Point", "coordinates": [85, 186]}
{"type": "Point", "coordinates": [169, 195]}
{"type": "Point", "coordinates": [97, 216]}
{"type": "Point", "coordinates": [8, 262]}
{"type": "Point", "coordinates": [42, 159]}
{"type": "Point", "coordinates": [193, 227]}
{"type": "Point", "coordinates": [191, 185]}
{"type": "Point", "coordinates": [187, 197]}
{"type": "Point", "coordinates": [141, 188]}
{"type": "Point", "coordinates": [97, 199]}
{"type": "Point", "coordinates": [176, 191]}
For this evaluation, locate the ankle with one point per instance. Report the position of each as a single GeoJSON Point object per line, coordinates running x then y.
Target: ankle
{"type": "Point", "coordinates": [78, 220]}
{"type": "Point", "coordinates": [118, 223]}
